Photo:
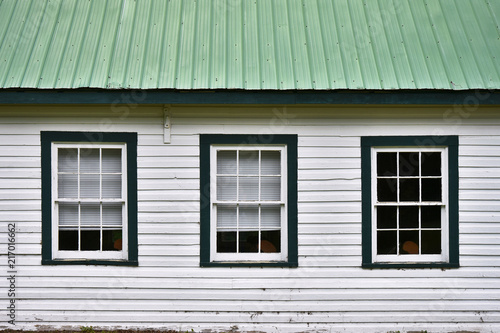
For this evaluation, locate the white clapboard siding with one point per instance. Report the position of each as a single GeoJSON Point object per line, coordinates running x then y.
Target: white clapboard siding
{"type": "Point", "coordinates": [328, 292]}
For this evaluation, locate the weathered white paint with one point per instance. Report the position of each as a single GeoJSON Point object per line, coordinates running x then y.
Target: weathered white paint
{"type": "Point", "coordinates": [329, 291]}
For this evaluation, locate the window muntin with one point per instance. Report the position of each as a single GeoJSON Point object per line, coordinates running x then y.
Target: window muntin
{"type": "Point", "coordinates": [89, 187]}
{"type": "Point", "coordinates": [409, 204]}
{"type": "Point", "coordinates": [248, 200]}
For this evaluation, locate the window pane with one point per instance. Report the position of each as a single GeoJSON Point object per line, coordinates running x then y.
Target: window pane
{"type": "Point", "coordinates": [270, 217]}
{"type": "Point", "coordinates": [431, 217]}
{"type": "Point", "coordinates": [409, 164]}
{"type": "Point", "coordinates": [226, 162]}
{"type": "Point", "coordinates": [409, 242]}
{"type": "Point", "coordinates": [226, 217]}
{"type": "Point", "coordinates": [68, 240]}
{"type": "Point", "coordinates": [431, 189]}
{"type": "Point", "coordinates": [111, 160]}
{"type": "Point", "coordinates": [112, 214]}
{"type": "Point", "coordinates": [270, 241]}
{"type": "Point", "coordinates": [112, 186]}
{"type": "Point", "coordinates": [90, 214]}
{"type": "Point", "coordinates": [386, 217]}
{"type": "Point", "coordinates": [89, 186]}
{"type": "Point", "coordinates": [89, 160]}
{"type": "Point", "coordinates": [271, 163]}
{"type": "Point", "coordinates": [249, 241]}
{"type": "Point", "coordinates": [111, 240]}
{"type": "Point", "coordinates": [67, 186]}
{"type": "Point", "coordinates": [249, 218]}
{"type": "Point", "coordinates": [90, 240]}
{"type": "Point", "coordinates": [270, 188]}
{"type": "Point", "coordinates": [226, 241]}
{"type": "Point", "coordinates": [249, 188]}
{"type": "Point", "coordinates": [249, 162]}
{"type": "Point", "coordinates": [387, 242]}
{"type": "Point", "coordinates": [67, 160]}
{"type": "Point", "coordinates": [431, 164]}
{"type": "Point", "coordinates": [386, 164]}
{"type": "Point", "coordinates": [68, 214]}
{"type": "Point", "coordinates": [226, 188]}
{"type": "Point", "coordinates": [408, 217]}
{"type": "Point", "coordinates": [386, 189]}
{"type": "Point", "coordinates": [408, 189]}
{"type": "Point", "coordinates": [431, 242]}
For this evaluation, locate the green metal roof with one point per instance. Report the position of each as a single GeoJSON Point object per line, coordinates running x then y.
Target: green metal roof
{"type": "Point", "coordinates": [250, 44]}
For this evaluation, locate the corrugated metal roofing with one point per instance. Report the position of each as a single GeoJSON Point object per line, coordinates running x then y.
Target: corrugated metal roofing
{"type": "Point", "coordinates": [250, 44]}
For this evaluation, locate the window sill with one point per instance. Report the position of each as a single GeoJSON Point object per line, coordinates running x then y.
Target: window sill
{"type": "Point", "coordinates": [249, 264]}
{"type": "Point", "coordinates": [90, 262]}
{"type": "Point", "coordinates": [440, 265]}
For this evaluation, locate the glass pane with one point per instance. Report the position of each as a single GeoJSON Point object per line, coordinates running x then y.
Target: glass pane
{"type": "Point", "coordinates": [431, 189]}
{"type": "Point", "coordinates": [226, 241]}
{"type": "Point", "coordinates": [431, 242]}
{"type": "Point", "coordinates": [226, 162]}
{"type": "Point", "coordinates": [68, 240]}
{"type": "Point", "coordinates": [89, 160]}
{"type": "Point", "coordinates": [270, 241]}
{"type": "Point", "coordinates": [111, 240]}
{"type": "Point", "coordinates": [386, 217]}
{"type": "Point", "coordinates": [226, 217]}
{"type": "Point", "coordinates": [111, 214]}
{"type": "Point", "coordinates": [409, 242]}
{"type": "Point", "coordinates": [431, 217]}
{"type": "Point", "coordinates": [249, 188]}
{"type": "Point", "coordinates": [90, 240]}
{"type": "Point", "coordinates": [270, 217]}
{"type": "Point", "coordinates": [249, 242]}
{"type": "Point", "coordinates": [111, 160]}
{"type": "Point", "coordinates": [408, 217]}
{"type": "Point", "coordinates": [67, 186]}
{"type": "Point", "coordinates": [68, 214]}
{"type": "Point", "coordinates": [271, 163]}
{"type": "Point", "coordinates": [89, 186]}
{"type": "Point", "coordinates": [270, 188]}
{"type": "Point", "coordinates": [386, 242]}
{"type": "Point", "coordinates": [386, 164]}
{"type": "Point", "coordinates": [431, 164]}
{"type": "Point", "coordinates": [67, 160]}
{"type": "Point", "coordinates": [249, 162]}
{"type": "Point", "coordinates": [90, 214]}
{"type": "Point", "coordinates": [386, 189]}
{"type": "Point", "coordinates": [409, 164]}
{"type": "Point", "coordinates": [408, 189]}
{"type": "Point", "coordinates": [249, 218]}
{"type": "Point", "coordinates": [112, 186]}
{"type": "Point", "coordinates": [226, 188]}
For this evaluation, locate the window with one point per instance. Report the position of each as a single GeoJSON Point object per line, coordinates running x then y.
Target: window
{"type": "Point", "coordinates": [249, 200]}
{"type": "Point", "coordinates": [89, 184]}
{"type": "Point", "coordinates": [410, 201]}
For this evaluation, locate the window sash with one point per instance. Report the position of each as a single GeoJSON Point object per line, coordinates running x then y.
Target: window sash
{"type": "Point", "coordinates": [405, 258]}
{"type": "Point", "coordinates": [245, 202]}
{"type": "Point", "coordinates": [79, 201]}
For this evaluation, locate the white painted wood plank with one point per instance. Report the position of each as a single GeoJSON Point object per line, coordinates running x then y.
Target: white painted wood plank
{"type": "Point", "coordinates": [137, 317]}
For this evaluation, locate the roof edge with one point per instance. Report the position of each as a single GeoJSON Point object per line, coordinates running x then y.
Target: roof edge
{"type": "Point", "coordinates": [224, 96]}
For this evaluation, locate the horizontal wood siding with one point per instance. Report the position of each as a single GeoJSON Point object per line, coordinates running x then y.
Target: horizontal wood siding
{"type": "Point", "coordinates": [329, 291]}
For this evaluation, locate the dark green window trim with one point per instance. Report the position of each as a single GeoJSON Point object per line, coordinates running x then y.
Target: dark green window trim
{"type": "Point", "coordinates": [206, 140]}
{"type": "Point", "coordinates": [92, 137]}
{"type": "Point", "coordinates": [410, 141]}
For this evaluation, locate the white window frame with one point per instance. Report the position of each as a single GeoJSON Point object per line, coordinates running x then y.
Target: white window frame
{"type": "Point", "coordinates": [249, 257]}
{"type": "Point", "coordinates": [412, 258]}
{"type": "Point", "coordinates": [88, 255]}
